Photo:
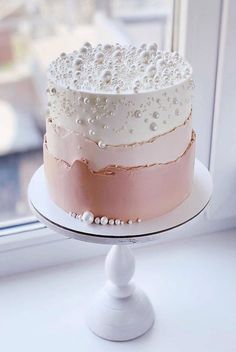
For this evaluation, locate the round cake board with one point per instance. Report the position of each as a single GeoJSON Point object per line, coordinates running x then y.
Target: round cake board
{"type": "Point", "coordinates": [120, 311]}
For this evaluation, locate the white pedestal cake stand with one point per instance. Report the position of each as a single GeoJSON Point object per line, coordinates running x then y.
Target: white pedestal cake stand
{"type": "Point", "coordinates": [120, 311]}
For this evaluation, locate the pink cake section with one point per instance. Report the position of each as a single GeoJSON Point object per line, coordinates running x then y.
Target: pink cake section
{"type": "Point", "coordinates": [119, 192]}
{"type": "Point", "coordinates": [70, 146]}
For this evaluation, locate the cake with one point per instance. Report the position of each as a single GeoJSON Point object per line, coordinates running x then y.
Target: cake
{"type": "Point", "coordinates": [119, 145]}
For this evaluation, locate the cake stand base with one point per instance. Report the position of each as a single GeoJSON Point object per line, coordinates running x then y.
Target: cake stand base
{"type": "Point", "coordinates": [120, 311]}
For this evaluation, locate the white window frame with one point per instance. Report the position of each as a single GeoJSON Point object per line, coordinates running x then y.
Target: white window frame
{"type": "Point", "coordinates": [31, 245]}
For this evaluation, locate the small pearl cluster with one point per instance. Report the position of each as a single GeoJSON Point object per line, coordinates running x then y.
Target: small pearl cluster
{"type": "Point", "coordinates": [89, 218]}
{"type": "Point", "coordinates": [117, 68]}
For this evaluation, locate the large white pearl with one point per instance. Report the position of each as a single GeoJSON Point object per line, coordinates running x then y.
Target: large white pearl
{"type": "Point", "coordinates": [78, 63]}
{"type": "Point", "coordinates": [104, 220]}
{"type": "Point", "coordinates": [107, 46]}
{"type": "Point", "coordinates": [145, 57]}
{"type": "Point", "coordinates": [88, 217]}
{"type": "Point", "coordinates": [83, 50]}
{"type": "Point", "coordinates": [87, 44]}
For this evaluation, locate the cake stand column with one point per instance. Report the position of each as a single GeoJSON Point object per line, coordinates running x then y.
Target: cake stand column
{"type": "Point", "coordinates": [120, 311]}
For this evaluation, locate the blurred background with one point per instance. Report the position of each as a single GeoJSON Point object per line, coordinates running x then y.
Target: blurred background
{"type": "Point", "coordinates": [34, 32]}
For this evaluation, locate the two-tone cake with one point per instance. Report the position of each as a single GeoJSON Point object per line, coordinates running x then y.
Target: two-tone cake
{"type": "Point", "coordinates": [119, 145]}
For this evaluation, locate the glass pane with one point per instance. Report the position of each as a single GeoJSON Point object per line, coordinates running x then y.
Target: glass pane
{"type": "Point", "coordinates": [30, 37]}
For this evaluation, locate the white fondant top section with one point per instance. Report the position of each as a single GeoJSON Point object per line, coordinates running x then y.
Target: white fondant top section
{"type": "Point", "coordinates": [124, 116]}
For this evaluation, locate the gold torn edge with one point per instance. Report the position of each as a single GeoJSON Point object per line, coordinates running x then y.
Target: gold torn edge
{"type": "Point", "coordinates": [66, 133]}
{"type": "Point", "coordinates": [112, 169]}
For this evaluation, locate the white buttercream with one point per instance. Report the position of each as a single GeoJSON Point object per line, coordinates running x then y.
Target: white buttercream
{"type": "Point", "coordinates": [121, 95]}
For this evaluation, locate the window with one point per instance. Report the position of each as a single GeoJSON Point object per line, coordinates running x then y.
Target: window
{"type": "Point", "coordinates": [31, 35]}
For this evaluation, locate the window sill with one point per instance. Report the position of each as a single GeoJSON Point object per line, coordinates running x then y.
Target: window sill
{"type": "Point", "coordinates": [33, 246]}
{"type": "Point", "coordinates": [190, 282]}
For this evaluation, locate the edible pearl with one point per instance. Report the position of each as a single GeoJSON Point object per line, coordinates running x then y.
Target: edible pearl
{"type": "Point", "coordinates": [88, 217]}
{"type": "Point", "coordinates": [101, 144]}
{"type": "Point", "coordinates": [91, 133]}
{"type": "Point", "coordinates": [111, 222]}
{"type": "Point", "coordinates": [137, 113]}
{"type": "Point", "coordinates": [104, 220]}
{"type": "Point", "coordinates": [130, 222]}
{"type": "Point", "coordinates": [86, 100]}
{"type": "Point", "coordinates": [99, 58]}
{"type": "Point", "coordinates": [79, 121]}
{"type": "Point", "coordinates": [83, 50]}
{"type": "Point", "coordinates": [87, 44]}
{"type": "Point", "coordinates": [78, 62]}
{"type": "Point", "coordinates": [139, 220]}
{"type": "Point", "coordinates": [145, 57]}
{"type": "Point", "coordinates": [90, 120]}
{"type": "Point", "coordinates": [151, 71]}
{"type": "Point", "coordinates": [153, 47]}
{"type": "Point", "coordinates": [97, 220]}
{"type": "Point", "coordinates": [153, 126]}
{"type": "Point", "coordinates": [156, 115]}
{"type": "Point", "coordinates": [117, 221]}
{"type": "Point", "coordinates": [107, 76]}
{"type": "Point", "coordinates": [107, 46]}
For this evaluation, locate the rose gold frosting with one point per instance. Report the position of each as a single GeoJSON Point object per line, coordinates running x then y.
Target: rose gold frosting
{"type": "Point", "coordinates": [71, 146]}
{"type": "Point", "coordinates": [120, 192]}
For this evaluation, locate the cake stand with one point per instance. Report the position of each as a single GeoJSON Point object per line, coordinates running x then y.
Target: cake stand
{"type": "Point", "coordinates": [120, 311]}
